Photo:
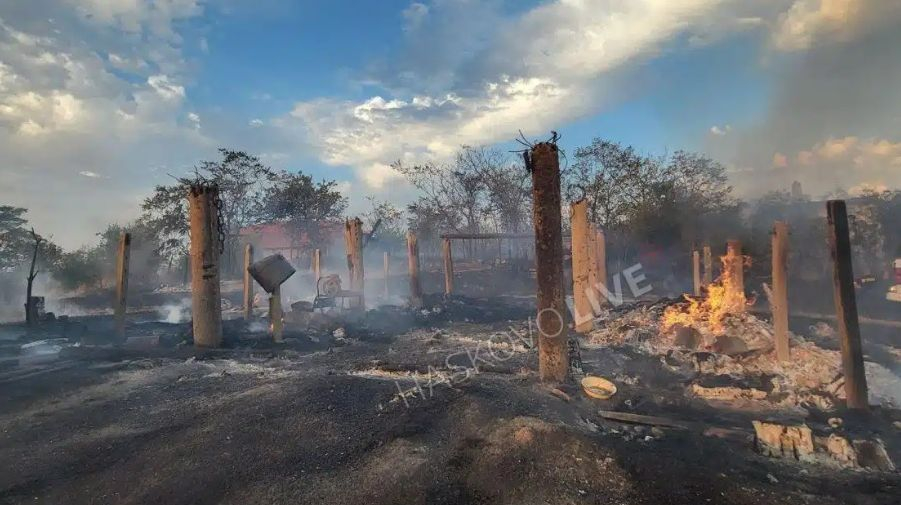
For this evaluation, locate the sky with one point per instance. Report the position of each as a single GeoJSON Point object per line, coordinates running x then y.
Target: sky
{"type": "Point", "coordinates": [100, 100]}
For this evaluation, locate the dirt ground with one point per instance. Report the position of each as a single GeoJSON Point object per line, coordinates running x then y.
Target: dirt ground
{"type": "Point", "coordinates": [441, 405]}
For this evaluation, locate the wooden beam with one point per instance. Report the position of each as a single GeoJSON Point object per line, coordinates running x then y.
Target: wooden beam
{"type": "Point", "coordinates": [581, 260]}
{"type": "Point", "coordinates": [779, 301]}
{"type": "Point", "coordinates": [413, 268]}
{"type": "Point", "coordinates": [846, 305]}
{"type": "Point", "coordinates": [206, 302]}
{"type": "Point", "coordinates": [122, 257]}
{"type": "Point", "coordinates": [248, 282]}
{"type": "Point", "coordinates": [448, 266]}
{"type": "Point", "coordinates": [544, 164]}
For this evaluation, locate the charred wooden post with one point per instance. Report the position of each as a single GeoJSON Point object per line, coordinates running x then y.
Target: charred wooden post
{"type": "Point", "coordinates": [31, 310]}
{"type": "Point", "coordinates": [696, 272]}
{"type": "Point", "coordinates": [600, 245]}
{"type": "Point", "coordinates": [544, 164]}
{"type": "Point", "coordinates": [779, 301]}
{"type": "Point", "coordinates": [448, 266]}
{"type": "Point", "coordinates": [206, 304]}
{"type": "Point", "coordinates": [387, 265]}
{"type": "Point", "coordinates": [276, 316]}
{"type": "Point", "coordinates": [708, 265]}
{"type": "Point", "coordinates": [248, 282]}
{"type": "Point", "coordinates": [353, 235]}
{"type": "Point", "coordinates": [734, 275]}
{"type": "Point", "coordinates": [846, 305]}
{"type": "Point", "coordinates": [122, 256]}
{"type": "Point", "coordinates": [581, 243]}
{"type": "Point", "coordinates": [413, 266]}
{"type": "Point", "coordinates": [317, 268]}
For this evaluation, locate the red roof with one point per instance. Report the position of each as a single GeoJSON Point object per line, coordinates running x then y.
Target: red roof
{"type": "Point", "coordinates": [275, 236]}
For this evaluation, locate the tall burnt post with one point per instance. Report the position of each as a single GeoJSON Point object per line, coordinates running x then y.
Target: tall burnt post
{"type": "Point", "coordinates": [696, 272]}
{"type": "Point", "coordinates": [413, 267]}
{"type": "Point", "coordinates": [708, 266]}
{"type": "Point", "coordinates": [582, 257]}
{"type": "Point", "coordinates": [779, 301]}
{"type": "Point", "coordinates": [248, 282]}
{"type": "Point", "coordinates": [122, 256]}
{"type": "Point", "coordinates": [447, 253]}
{"type": "Point", "coordinates": [734, 275]}
{"type": "Point", "coordinates": [353, 236]}
{"type": "Point", "coordinates": [542, 160]}
{"type": "Point", "coordinates": [206, 303]}
{"type": "Point", "coordinates": [846, 305]}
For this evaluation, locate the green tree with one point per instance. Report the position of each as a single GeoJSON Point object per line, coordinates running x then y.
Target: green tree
{"type": "Point", "coordinates": [306, 207]}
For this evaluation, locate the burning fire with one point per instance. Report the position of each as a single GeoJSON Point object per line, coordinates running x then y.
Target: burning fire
{"type": "Point", "coordinates": [724, 296]}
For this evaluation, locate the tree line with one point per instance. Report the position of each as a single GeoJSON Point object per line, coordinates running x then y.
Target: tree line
{"type": "Point", "coordinates": [664, 201]}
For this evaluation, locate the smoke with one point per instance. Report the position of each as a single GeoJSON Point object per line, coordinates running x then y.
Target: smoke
{"type": "Point", "coordinates": [174, 314]}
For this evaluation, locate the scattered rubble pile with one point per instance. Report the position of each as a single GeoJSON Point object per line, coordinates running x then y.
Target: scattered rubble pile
{"type": "Point", "coordinates": [738, 345]}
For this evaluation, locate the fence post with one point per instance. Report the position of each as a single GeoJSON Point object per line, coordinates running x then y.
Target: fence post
{"type": "Point", "coordinates": [779, 301]}
{"type": "Point", "coordinates": [448, 267]}
{"type": "Point", "coordinates": [124, 253]}
{"type": "Point", "coordinates": [248, 282]}
{"type": "Point", "coordinates": [544, 164]}
{"type": "Point", "coordinates": [206, 304]}
{"type": "Point", "coordinates": [413, 267]}
{"type": "Point", "coordinates": [846, 305]}
{"type": "Point", "coordinates": [582, 257]}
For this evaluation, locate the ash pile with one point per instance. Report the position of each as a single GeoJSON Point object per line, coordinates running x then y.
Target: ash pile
{"type": "Point", "coordinates": [726, 359]}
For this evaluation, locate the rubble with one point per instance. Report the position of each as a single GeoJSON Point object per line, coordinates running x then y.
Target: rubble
{"type": "Point", "coordinates": [799, 443]}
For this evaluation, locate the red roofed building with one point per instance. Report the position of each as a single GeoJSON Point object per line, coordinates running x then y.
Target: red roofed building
{"type": "Point", "coordinates": [271, 238]}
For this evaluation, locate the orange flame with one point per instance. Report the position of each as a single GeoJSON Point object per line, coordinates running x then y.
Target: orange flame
{"type": "Point", "coordinates": [724, 296]}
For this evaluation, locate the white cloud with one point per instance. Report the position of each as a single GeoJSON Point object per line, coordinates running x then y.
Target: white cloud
{"type": "Point", "coordinates": [720, 131]}
{"type": "Point", "coordinates": [68, 118]}
{"type": "Point", "coordinates": [255, 123]}
{"type": "Point", "coordinates": [414, 15]}
{"type": "Point", "coordinates": [808, 22]}
{"type": "Point", "coordinates": [556, 76]}
{"type": "Point", "coordinates": [165, 88]}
